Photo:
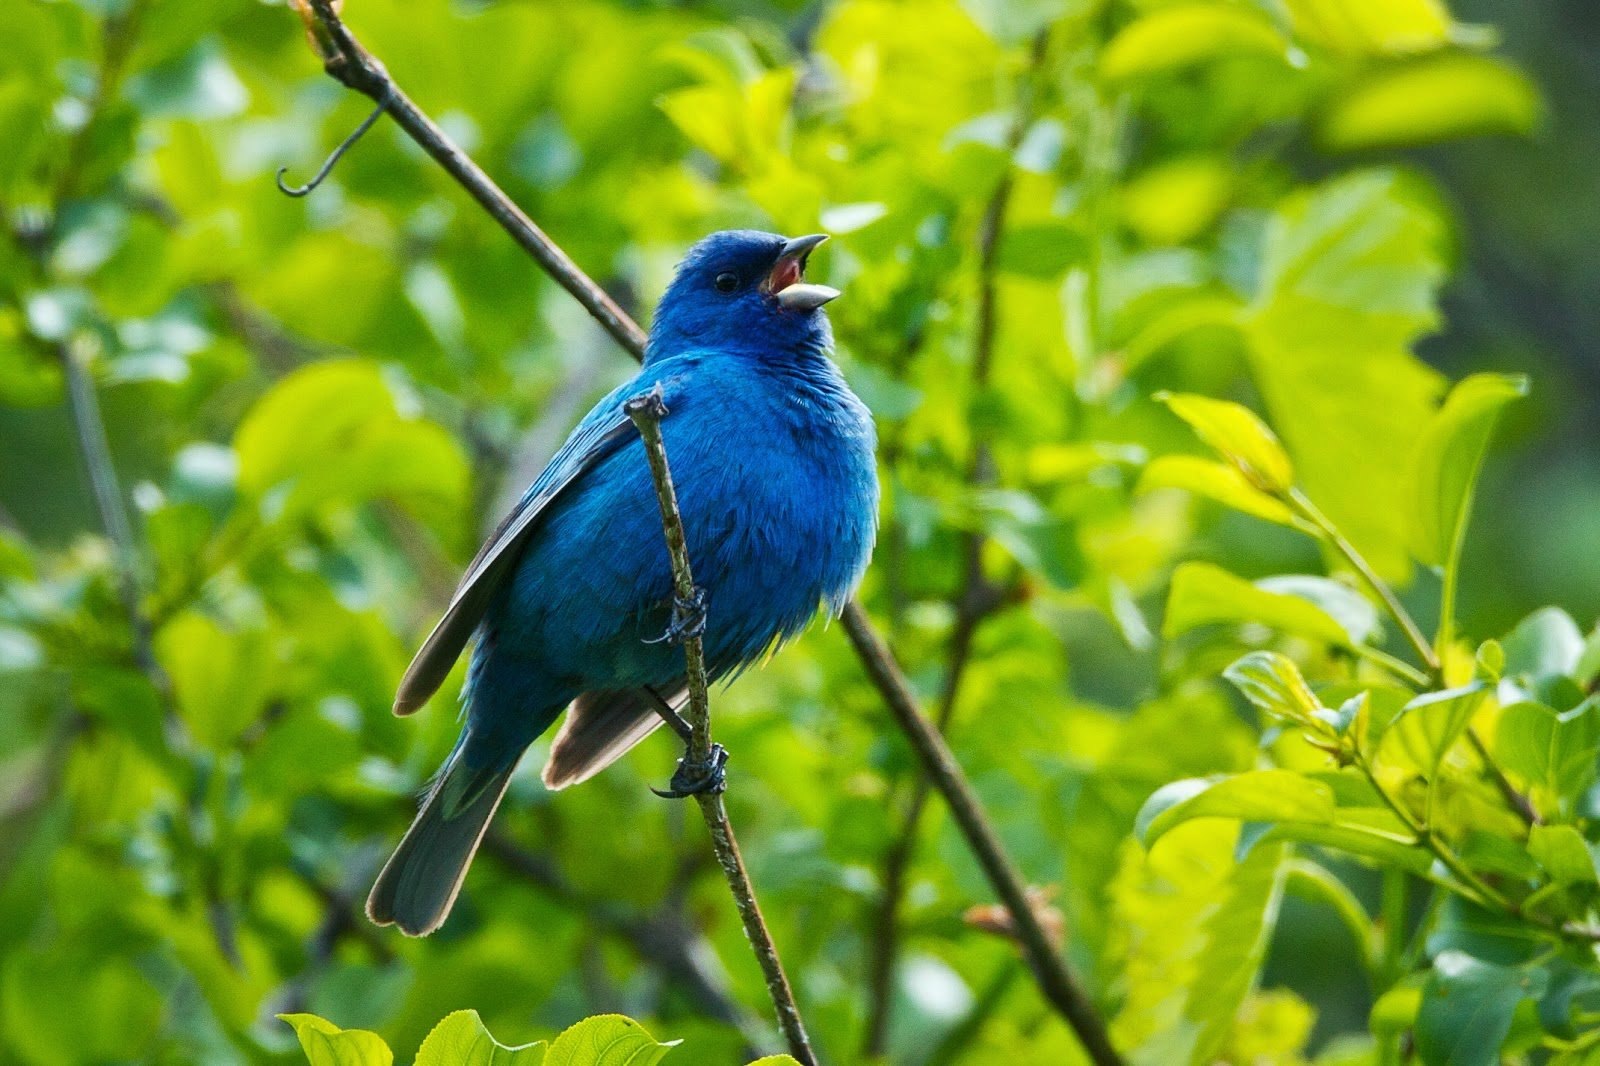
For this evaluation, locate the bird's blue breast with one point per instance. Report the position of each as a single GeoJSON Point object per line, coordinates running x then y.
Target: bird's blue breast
{"type": "Point", "coordinates": [773, 465]}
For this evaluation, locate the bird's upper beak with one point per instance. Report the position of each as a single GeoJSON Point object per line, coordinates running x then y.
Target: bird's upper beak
{"type": "Point", "coordinates": [787, 278]}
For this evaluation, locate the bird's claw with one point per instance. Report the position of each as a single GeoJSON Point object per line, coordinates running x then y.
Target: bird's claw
{"type": "Point", "coordinates": [698, 778]}
{"type": "Point", "coordinates": [688, 619]}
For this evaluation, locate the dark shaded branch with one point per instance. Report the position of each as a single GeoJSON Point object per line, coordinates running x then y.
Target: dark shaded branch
{"type": "Point", "coordinates": [1057, 982]}
{"type": "Point", "coordinates": [647, 413]}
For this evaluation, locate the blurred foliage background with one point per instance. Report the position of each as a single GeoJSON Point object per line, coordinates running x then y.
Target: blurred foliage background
{"type": "Point", "coordinates": [1045, 213]}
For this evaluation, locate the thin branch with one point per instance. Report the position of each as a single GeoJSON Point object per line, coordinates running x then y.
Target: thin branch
{"type": "Point", "coordinates": [647, 413]}
{"type": "Point", "coordinates": [354, 67]}
{"type": "Point", "coordinates": [1050, 970]}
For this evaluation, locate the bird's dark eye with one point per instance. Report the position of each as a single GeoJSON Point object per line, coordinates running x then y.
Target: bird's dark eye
{"type": "Point", "coordinates": [727, 282]}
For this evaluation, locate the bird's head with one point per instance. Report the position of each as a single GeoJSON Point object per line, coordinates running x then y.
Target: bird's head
{"type": "Point", "coordinates": [743, 289]}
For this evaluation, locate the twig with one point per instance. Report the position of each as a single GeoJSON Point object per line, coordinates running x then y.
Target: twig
{"type": "Point", "coordinates": [354, 67]}
{"type": "Point", "coordinates": [1060, 987]}
{"type": "Point", "coordinates": [647, 413]}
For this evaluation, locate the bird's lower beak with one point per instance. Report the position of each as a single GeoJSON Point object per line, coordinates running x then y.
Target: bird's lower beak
{"type": "Point", "coordinates": [786, 281]}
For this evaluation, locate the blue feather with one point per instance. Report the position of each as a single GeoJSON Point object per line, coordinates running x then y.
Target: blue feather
{"type": "Point", "coordinates": [772, 457]}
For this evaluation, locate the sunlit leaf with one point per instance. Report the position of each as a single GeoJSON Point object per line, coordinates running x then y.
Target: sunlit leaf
{"type": "Point", "coordinates": [1428, 726]}
{"type": "Point", "coordinates": [1445, 464]}
{"type": "Point", "coordinates": [1349, 278]}
{"type": "Point", "coordinates": [1372, 26]}
{"type": "Point", "coordinates": [606, 1040]}
{"type": "Point", "coordinates": [1434, 99]}
{"type": "Point", "coordinates": [1273, 683]}
{"type": "Point", "coordinates": [1566, 856]}
{"type": "Point", "coordinates": [1182, 35]}
{"type": "Point", "coordinates": [1547, 643]}
{"type": "Point", "coordinates": [325, 1044]}
{"type": "Point", "coordinates": [1203, 594]}
{"type": "Point", "coordinates": [1191, 931]}
{"type": "Point", "coordinates": [461, 1039]}
{"type": "Point", "coordinates": [1216, 481]}
{"type": "Point", "coordinates": [1258, 796]}
{"type": "Point", "coordinates": [1239, 436]}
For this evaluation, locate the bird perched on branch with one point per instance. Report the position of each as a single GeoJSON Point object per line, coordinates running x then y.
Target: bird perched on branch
{"type": "Point", "coordinates": [572, 597]}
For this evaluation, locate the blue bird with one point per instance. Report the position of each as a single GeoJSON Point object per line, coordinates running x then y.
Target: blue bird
{"type": "Point", "coordinates": [772, 457]}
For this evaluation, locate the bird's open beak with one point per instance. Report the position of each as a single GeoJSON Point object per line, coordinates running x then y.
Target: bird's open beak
{"type": "Point", "coordinates": [787, 279]}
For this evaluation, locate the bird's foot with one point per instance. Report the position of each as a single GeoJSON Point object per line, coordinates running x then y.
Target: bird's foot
{"type": "Point", "coordinates": [698, 778]}
{"type": "Point", "coordinates": [688, 619]}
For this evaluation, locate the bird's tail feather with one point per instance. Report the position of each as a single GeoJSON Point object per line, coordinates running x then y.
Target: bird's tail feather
{"type": "Point", "coordinates": [601, 727]}
{"type": "Point", "coordinates": [419, 883]}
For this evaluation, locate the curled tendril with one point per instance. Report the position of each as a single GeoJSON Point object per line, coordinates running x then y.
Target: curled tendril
{"type": "Point", "coordinates": [327, 167]}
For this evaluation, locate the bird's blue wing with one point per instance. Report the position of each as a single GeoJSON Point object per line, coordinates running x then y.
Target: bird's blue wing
{"type": "Point", "coordinates": [605, 427]}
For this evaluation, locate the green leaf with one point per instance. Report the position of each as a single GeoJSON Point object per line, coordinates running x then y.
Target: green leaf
{"type": "Point", "coordinates": [1350, 273]}
{"type": "Point", "coordinates": [1184, 34]}
{"type": "Point", "coordinates": [1190, 928]}
{"type": "Point", "coordinates": [1547, 643]}
{"type": "Point", "coordinates": [1428, 726]}
{"type": "Point", "coordinates": [335, 433]}
{"type": "Point", "coordinates": [1467, 1007]}
{"type": "Point", "coordinates": [1042, 250]}
{"type": "Point", "coordinates": [606, 1040]}
{"type": "Point", "coordinates": [776, 1060]}
{"type": "Point", "coordinates": [1553, 754]}
{"type": "Point", "coordinates": [1203, 594]}
{"type": "Point", "coordinates": [1366, 27]}
{"type": "Point", "coordinates": [1445, 464]}
{"type": "Point", "coordinates": [1273, 683]}
{"type": "Point", "coordinates": [1257, 796]}
{"type": "Point", "coordinates": [1239, 436]}
{"type": "Point", "coordinates": [222, 678]}
{"type": "Point", "coordinates": [1215, 481]}
{"type": "Point", "coordinates": [461, 1039]}
{"type": "Point", "coordinates": [1563, 853]}
{"type": "Point", "coordinates": [1356, 615]}
{"type": "Point", "coordinates": [325, 1044]}
{"type": "Point", "coordinates": [1437, 98]}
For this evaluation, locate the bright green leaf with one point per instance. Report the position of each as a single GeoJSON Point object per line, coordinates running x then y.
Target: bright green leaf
{"type": "Point", "coordinates": [1372, 26]}
{"type": "Point", "coordinates": [325, 1044]}
{"type": "Point", "coordinates": [1190, 931]}
{"type": "Point", "coordinates": [1215, 481]}
{"type": "Point", "coordinates": [606, 1040]}
{"type": "Point", "coordinates": [1273, 683]}
{"type": "Point", "coordinates": [1445, 464]}
{"type": "Point", "coordinates": [221, 678]}
{"type": "Point", "coordinates": [1203, 594]}
{"type": "Point", "coordinates": [1438, 98]}
{"type": "Point", "coordinates": [1349, 277]}
{"type": "Point", "coordinates": [461, 1039]}
{"type": "Point", "coordinates": [1239, 436]}
{"type": "Point", "coordinates": [1428, 726]}
{"type": "Point", "coordinates": [1182, 35]}
{"type": "Point", "coordinates": [1257, 796]}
